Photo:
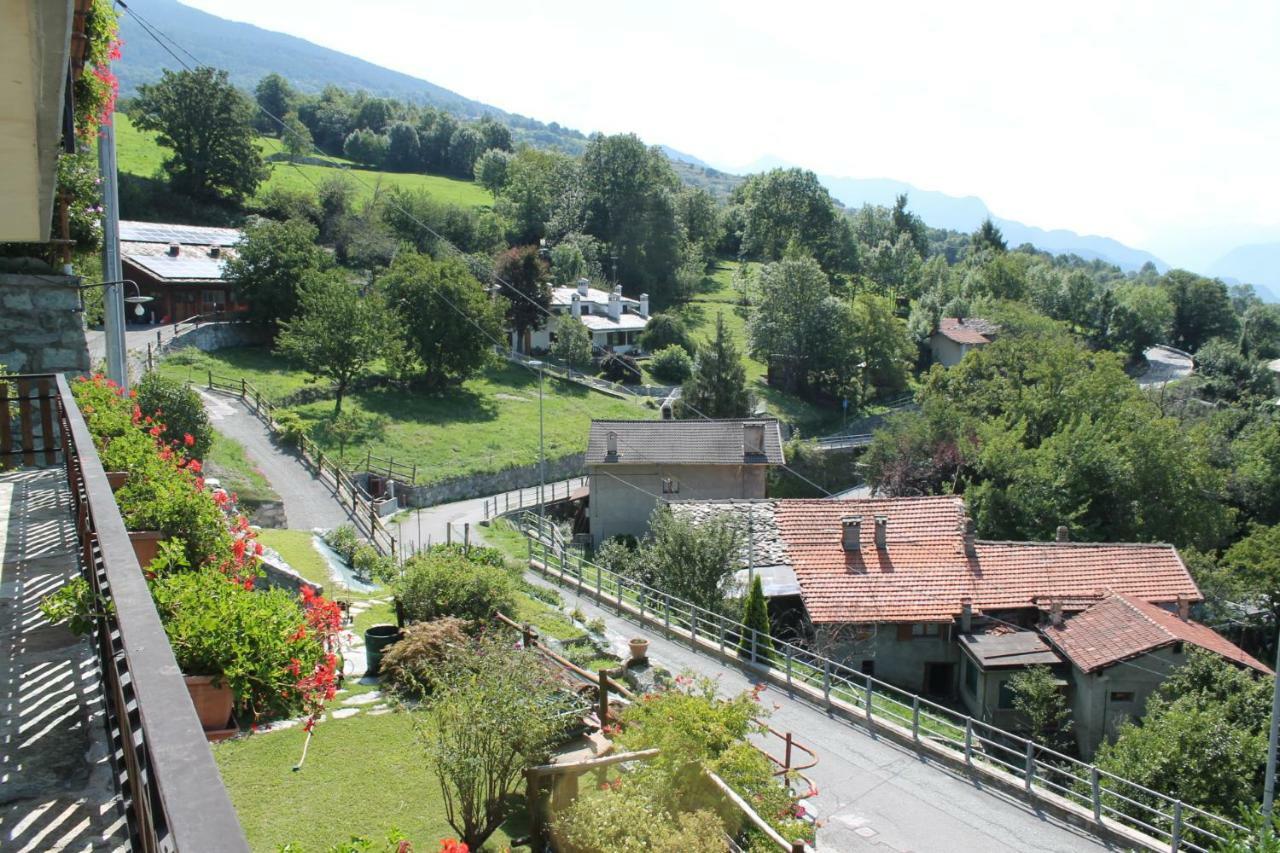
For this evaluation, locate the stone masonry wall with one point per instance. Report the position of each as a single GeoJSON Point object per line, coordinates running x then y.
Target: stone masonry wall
{"type": "Point", "coordinates": [40, 329]}
{"type": "Point", "coordinates": [215, 336]}
{"type": "Point", "coordinates": [483, 485]}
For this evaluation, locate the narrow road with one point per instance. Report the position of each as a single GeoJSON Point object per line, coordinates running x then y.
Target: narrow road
{"type": "Point", "coordinates": [427, 526]}
{"type": "Point", "coordinates": [308, 503]}
{"type": "Point", "coordinates": [873, 794]}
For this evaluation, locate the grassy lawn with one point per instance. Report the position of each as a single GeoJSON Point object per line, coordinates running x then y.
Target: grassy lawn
{"type": "Point", "coordinates": [487, 424]}
{"type": "Point", "coordinates": [363, 776]}
{"type": "Point", "coordinates": [226, 460]}
{"type": "Point", "coordinates": [296, 548]}
{"type": "Point", "coordinates": [140, 154]}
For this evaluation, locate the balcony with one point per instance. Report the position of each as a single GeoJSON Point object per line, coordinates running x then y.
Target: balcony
{"type": "Point", "coordinates": [100, 746]}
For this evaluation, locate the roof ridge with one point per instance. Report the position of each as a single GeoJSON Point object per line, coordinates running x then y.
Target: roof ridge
{"type": "Point", "coordinates": [1043, 542]}
{"type": "Point", "coordinates": [1127, 602]}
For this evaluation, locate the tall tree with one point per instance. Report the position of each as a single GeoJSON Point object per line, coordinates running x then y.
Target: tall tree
{"type": "Point", "coordinates": [1201, 309]}
{"type": "Point", "coordinates": [718, 387]}
{"type": "Point", "coordinates": [987, 239]}
{"type": "Point", "coordinates": [881, 344]}
{"type": "Point", "coordinates": [798, 327]}
{"type": "Point", "coordinates": [448, 320]}
{"type": "Point", "coordinates": [521, 277]}
{"type": "Point", "coordinates": [755, 615]}
{"type": "Point", "coordinates": [535, 180]}
{"type": "Point", "coordinates": [277, 99]}
{"type": "Point", "coordinates": [691, 560]}
{"type": "Point", "coordinates": [295, 138]}
{"type": "Point", "coordinates": [572, 345]}
{"type": "Point", "coordinates": [270, 262]}
{"type": "Point", "coordinates": [403, 154]}
{"type": "Point", "coordinates": [338, 331]}
{"type": "Point", "coordinates": [906, 222]}
{"type": "Point", "coordinates": [208, 125]}
{"type": "Point", "coordinates": [1040, 700]}
{"type": "Point", "coordinates": [788, 207]}
{"type": "Point", "coordinates": [491, 170]}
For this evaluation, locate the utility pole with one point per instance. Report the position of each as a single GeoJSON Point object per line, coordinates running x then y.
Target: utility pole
{"type": "Point", "coordinates": [1269, 788]}
{"type": "Point", "coordinates": [542, 455]}
{"type": "Point", "coordinates": [113, 294]}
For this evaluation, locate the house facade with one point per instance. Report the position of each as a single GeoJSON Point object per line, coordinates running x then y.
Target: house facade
{"type": "Point", "coordinates": [614, 321]}
{"type": "Point", "coordinates": [181, 267]}
{"type": "Point", "coordinates": [956, 336]}
{"type": "Point", "coordinates": [635, 465]}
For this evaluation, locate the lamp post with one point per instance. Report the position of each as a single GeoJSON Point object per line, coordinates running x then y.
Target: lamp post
{"type": "Point", "coordinates": [113, 322]}
{"type": "Point", "coordinates": [542, 455]}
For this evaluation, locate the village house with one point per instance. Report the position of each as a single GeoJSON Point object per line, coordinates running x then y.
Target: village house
{"type": "Point", "coordinates": [614, 321]}
{"type": "Point", "coordinates": [181, 267]}
{"type": "Point", "coordinates": [634, 465]}
{"type": "Point", "coordinates": [957, 336]}
{"type": "Point", "coordinates": [901, 588]}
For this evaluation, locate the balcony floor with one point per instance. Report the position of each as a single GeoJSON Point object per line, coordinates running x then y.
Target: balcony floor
{"type": "Point", "coordinates": [56, 789]}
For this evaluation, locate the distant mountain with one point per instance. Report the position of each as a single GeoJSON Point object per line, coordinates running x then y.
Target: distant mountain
{"type": "Point", "coordinates": [1258, 264]}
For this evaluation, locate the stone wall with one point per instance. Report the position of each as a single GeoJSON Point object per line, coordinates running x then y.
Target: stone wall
{"type": "Point", "coordinates": [483, 485]}
{"type": "Point", "coordinates": [215, 336]}
{"type": "Point", "coordinates": [40, 329]}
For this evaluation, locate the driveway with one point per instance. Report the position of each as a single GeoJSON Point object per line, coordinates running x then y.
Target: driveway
{"type": "Point", "coordinates": [1165, 365]}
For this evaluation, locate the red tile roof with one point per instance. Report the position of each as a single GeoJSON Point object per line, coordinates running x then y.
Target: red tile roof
{"type": "Point", "coordinates": [924, 574]}
{"type": "Point", "coordinates": [1119, 628]}
{"type": "Point", "coordinates": [966, 331]}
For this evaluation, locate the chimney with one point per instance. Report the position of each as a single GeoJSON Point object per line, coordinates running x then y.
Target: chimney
{"type": "Point", "coordinates": [583, 284]}
{"type": "Point", "coordinates": [1055, 612]}
{"type": "Point", "coordinates": [966, 614]}
{"type": "Point", "coordinates": [1184, 608]}
{"type": "Point", "coordinates": [753, 439]}
{"type": "Point", "coordinates": [575, 305]}
{"type": "Point", "coordinates": [173, 250]}
{"type": "Point", "coordinates": [215, 251]}
{"type": "Point", "coordinates": [882, 532]}
{"type": "Point", "coordinates": [1064, 535]}
{"type": "Point", "coordinates": [644, 305]}
{"type": "Point", "coordinates": [615, 303]}
{"type": "Point", "coordinates": [970, 549]}
{"type": "Point", "coordinates": [851, 529]}
{"type": "Point", "coordinates": [611, 446]}
{"type": "Point", "coordinates": [666, 411]}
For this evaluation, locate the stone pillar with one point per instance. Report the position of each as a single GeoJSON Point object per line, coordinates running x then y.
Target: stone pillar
{"type": "Point", "coordinates": [41, 330]}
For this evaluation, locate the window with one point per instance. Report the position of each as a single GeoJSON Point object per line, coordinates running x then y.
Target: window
{"type": "Point", "coordinates": [1121, 695]}
{"type": "Point", "coordinates": [586, 309]}
{"type": "Point", "coordinates": [1177, 648]}
{"type": "Point", "coordinates": [926, 629]}
{"type": "Point", "coordinates": [970, 676]}
{"type": "Point", "coordinates": [670, 486]}
{"type": "Point", "coordinates": [1005, 700]}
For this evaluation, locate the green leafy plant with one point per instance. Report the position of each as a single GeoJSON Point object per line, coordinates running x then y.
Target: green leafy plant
{"type": "Point", "coordinates": [344, 540]}
{"type": "Point", "coordinates": [755, 615]}
{"type": "Point", "coordinates": [75, 604]}
{"type": "Point", "coordinates": [413, 665]}
{"type": "Point", "coordinates": [290, 426]}
{"type": "Point", "coordinates": [180, 411]}
{"type": "Point", "coordinates": [671, 364]}
{"type": "Point", "coordinates": [433, 585]}
{"type": "Point", "coordinates": [369, 565]}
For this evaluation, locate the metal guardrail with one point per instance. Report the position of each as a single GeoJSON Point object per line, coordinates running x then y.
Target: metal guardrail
{"type": "Point", "coordinates": [1141, 814]}
{"type": "Point", "coordinates": [839, 442]}
{"type": "Point", "coordinates": [594, 382]}
{"type": "Point", "coordinates": [353, 498]}
{"type": "Point", "coordinates": [528, 496]}
{"type": "Point", "coordinates": [171, 789]}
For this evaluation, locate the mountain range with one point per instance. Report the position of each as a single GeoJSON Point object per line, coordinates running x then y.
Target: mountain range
{"type": "Point", "coordinates": [248, 53]}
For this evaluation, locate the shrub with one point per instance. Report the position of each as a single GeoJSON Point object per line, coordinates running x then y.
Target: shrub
{"type": "Point", "coordinates": [254, 641]}
{"type": "Point", "coordinates": [620, 368]}
{"type": "Point", "coordinates": [433, 585]}
{"type": "Point", "coordinates": [180, 411]}
{"type": "Point", "coordinates": [344, 541]}
{"type": "Point", "coordinates": [412, 665]}
{"type": "Point", "coordinates": [671, 364]}
{"type": "Point", "coordinates": [665, 330]}
{"type": "Point", "coordinates": [369, 565]}
{"type": "Point", "coordinates": [291, 427]}
{"type": "Point", "coordinates": [479, 554]}
{"type": "Point", "coordinates": [626, 820]}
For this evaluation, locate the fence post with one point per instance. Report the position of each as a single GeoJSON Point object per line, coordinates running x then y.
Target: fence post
{"type": "Point", "coordinates": [721, 622]}
{"type": "Point", "coordinates": [149, 367]}
{"type": "Point", "coordinates": [1175, 840]}
{"type": "Point", "coordinates": [666, 614]}
{"type": "Point", "coordinates": [1031, 765]}
{"type": "Point", "coordinates": [788, 666]}
{"type": "Point", "coordinates": [868, 700]}
{"type": "Point", "coordinates": [617, 580]}
{"type": "Point", "coordinates": [242, 391]}
{"type": "Point", "coordinates": [604, 696]}
{"type": "Point", "coordinates": [530, 541]}
{"type": "Point", "coordinates": [754, 638]}
{"type": "Point", "coordinates": [1095, 787]}
{"type": "Point", "coordinates": [448, 534]}
{"type": "Point", "coordinates": [915, 717]}
{"type": "Point", "coordinates": [506, 501]}
{"type": "Point", "coordinates": [826, 681]}
{"type": "Point", "coordinates": [968, 740]}
{"type": "Point", "coordinates": [210, 380]}
{"type": "Point", "coordinates": [599, 574]}
{"type": "Point", "coordinates": [466, 537]}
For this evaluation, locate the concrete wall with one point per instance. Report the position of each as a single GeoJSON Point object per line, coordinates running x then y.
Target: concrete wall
{"type": "Point", "coordinates": [482, 485]}
{"type": "Point", "coordinates": [900, 662]}
{"type": "Point", "coordinates": [40, 329]}
{"type": "Point", "coordinates": [1097, 715]}
{"type": "Point", "coordinates": [623, 496]}
{"type": "Point", "coordinates": [946, 351]}
{"type": "Point", "coordinates": [984, 704]}
{"type": "Point", "coordinates": [215, 336]}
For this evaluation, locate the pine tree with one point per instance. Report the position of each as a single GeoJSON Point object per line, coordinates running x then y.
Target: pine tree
{"type": "Point", "coordinates": [755, 615]}
{"type": "Point", "coordinates": [718, 387]}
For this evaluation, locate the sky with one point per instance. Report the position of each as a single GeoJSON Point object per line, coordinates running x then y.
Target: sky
{"type": "Point", "coordinates": [1155, 123]}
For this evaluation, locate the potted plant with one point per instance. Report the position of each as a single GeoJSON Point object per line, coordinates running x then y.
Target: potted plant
{"type": "Point", "coordinates": [639, 649]}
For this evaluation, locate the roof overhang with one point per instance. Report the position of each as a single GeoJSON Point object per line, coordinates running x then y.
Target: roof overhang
{"type": "Point", "coordinates": [35, 49]}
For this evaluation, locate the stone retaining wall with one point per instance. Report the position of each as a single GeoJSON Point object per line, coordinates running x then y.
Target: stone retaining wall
{"type": "Point", "coordinates": [40, 329]}
{"type": "Point", "coordinates": [482, 485]}
{"type": "Point", "coordinates": [215, 336]}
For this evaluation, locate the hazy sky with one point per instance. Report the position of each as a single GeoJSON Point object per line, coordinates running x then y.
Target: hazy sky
{"type": "Point", "coordinates": [1155, 123]}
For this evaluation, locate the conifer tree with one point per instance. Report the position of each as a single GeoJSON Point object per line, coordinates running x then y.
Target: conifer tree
{"type": "Point", "coordinates": [755, 615]}
{"type": "Point", "coordinates": [718, 387]}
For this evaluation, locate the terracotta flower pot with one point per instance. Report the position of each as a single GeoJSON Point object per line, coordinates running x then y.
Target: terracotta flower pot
{"type": "Point", "coordinates": [213, 704]}
{"type": "Point", "coordinates": [117, 479]}
{"type": "Point", "coordinates": [639, 648]}
{"type": "Point", "coordinates": [146, 545]}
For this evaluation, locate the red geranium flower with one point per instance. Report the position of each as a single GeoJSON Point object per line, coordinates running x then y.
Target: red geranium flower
{"type": "Point", "coordinates": [188, 439]}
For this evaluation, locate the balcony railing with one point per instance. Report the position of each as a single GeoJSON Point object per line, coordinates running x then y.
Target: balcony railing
{"type": "Point", "coordinates": [171, 790]}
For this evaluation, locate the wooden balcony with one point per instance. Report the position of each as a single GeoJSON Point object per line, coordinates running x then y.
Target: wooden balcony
{"type": "Point", "coordinates": [100, 747]}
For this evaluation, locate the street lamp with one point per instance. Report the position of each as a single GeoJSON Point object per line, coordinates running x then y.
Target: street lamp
{"type": "Point", "coordinates": [542, 455]}
{"type": "Point", "coordinates": [113, 322]}
{"type": "Point", "coordinates": [137, 300]}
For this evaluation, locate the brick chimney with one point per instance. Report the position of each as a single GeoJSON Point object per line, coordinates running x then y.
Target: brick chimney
{"type": "Point", "coordinates": [575, 305]}
{"type": "Point", "coordinates": [215, 251]}
{"type": "Point", "coordinates": [1055, 612]}
{"type": "Point", "coordinates": [1064, 534]}
{"type": "Point", "coordinates": [173, 250]}
{"type": "Point", "coordinates": [851, 533]}
{"type": "Point", "coordinates": [615, 303]}
{"type": "Point", "coordinates": [1184, 608]}
{"type": "Point", "coordinates": [966, 614]}
{"type": "Point", "coordinates": [970, 537]}
{"type": "Point", "coordinates": [611, 446]}
{"type": "Point", "coordinates": [644, 305]}
{"type": "Point", "coordinates": [753, 439]}
{"type": "Point", "coordinates": [882, 532]}
{"type": "Point", "coordinates": [583, 284]}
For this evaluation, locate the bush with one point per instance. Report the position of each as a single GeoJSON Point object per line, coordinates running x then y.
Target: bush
{"type": "Point", "coordinates": [626, 820]}
{"type": "Point", "coordinates": [620, 368]}
{"type": "Point", "coordinates": [479, 554]}
{"type": "Point", "coordinates": [344, 541]}
{"type": "Point", "coordinates": [180, 410]}
{"type": "Point", "coordinates": [255, 641]}
{"type": "Point", "coordinates": [671, 364]}
{"type": "Point", "coordinates": [412, 665]}
{"type": "Point", "coordinates": [291, 427]}
{"type": "Point", "coordinates": [433, 585]}
{"type": "Point", "coordinates": [369, 565]}
{"type": "Point", "coordinates": [665, 330]}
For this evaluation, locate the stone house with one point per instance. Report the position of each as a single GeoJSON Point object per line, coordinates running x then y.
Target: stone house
{"type": "Point", "coordinates": [614, 321]}
{"type": "Point", "coordinates": [634, 465]}
{"type": "Point", "coordinates": [181, 267]}
{"type": "Point", "coordinates": [958, 335]}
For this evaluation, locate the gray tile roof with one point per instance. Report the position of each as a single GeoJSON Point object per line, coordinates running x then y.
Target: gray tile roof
{"type": "Point", "coordinates": [767, 547]}
{"type": "Point", "coordinates": [691, 442]}
{"type": "Point", "coordinates": [164, 232]}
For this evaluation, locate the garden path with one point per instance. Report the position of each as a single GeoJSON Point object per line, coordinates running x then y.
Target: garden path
{"type": "Point", "coordinates": [873, 795]}
{"type": "Point", "coordinates": [308, 502]}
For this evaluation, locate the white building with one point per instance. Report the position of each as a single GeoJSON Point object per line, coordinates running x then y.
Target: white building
{"type": "Point", "coordinates": [614, 321]}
